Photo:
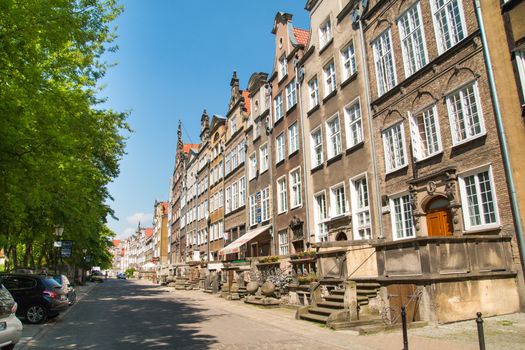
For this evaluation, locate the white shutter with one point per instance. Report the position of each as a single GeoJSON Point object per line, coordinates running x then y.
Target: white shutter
{"type": "Point", "coordinates": [416, 140]}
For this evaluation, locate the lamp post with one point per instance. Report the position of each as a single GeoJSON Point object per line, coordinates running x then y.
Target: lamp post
{"type": "Point", "coordinates": [84, 261]}
{"type": "Point", "coordinates": [59, 230]}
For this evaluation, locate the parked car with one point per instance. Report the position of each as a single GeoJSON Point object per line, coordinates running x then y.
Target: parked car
{"type": "Point", "coordinates": [10, 325]}
{"type": "Point", "coordinates": [38, 297]}
{"type": "Point", "coordinates": [67, 288]}
{"type": "Point", "coordinates": [121, 276]}
{"type": "Point", "coordinates": [97, 276]}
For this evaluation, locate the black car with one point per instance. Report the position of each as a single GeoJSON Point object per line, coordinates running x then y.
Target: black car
{"type": "Point", "coordinates": [38, 297]}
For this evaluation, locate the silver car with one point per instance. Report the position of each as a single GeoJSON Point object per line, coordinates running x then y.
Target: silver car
{"type": "Point", "coordinates": [10, 325]}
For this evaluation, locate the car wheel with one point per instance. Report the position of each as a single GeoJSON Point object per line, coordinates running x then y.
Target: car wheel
{"type": "Point", "coordinates": [36, 314]}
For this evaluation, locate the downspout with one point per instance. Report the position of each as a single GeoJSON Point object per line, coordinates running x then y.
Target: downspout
{"type": "Point", "coordinates": [268, 129]}
{"type": "Point", "coordinates": [501, 134]}
{"type": "Point", "coordinates": [371, 131]}
{"type": "Point", "coordinates": [301, 118]}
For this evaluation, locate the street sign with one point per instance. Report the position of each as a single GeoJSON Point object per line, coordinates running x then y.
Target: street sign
{"type": "Point", "coordinates": [57, 244]}
{"type": "Point", "coordinates": [66, 249]}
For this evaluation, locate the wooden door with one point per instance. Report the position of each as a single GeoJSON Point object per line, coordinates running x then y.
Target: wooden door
{"type": "Point", "coordinates": [403, 294]}
{"type": "Point", "coordinates": [438, 223]}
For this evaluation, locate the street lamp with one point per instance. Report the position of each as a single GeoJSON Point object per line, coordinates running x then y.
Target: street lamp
{"type": "Point", "coordinates": [84, 261]}
{"type": "Point", "coordinates": [59, 230]}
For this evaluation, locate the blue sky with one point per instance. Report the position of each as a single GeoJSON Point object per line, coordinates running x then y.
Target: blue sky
{"type": "Point", "coordinates": [175, 59]}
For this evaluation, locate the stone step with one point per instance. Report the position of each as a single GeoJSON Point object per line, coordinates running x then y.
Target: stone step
{"type": "Point", "coordinates": [324, 311]}
{"type": "Point", "coordinates": [332, 281]}
{"type": "Point", "coordinates": [338, 292]}
{"type": "Point", "coordinates": [314, 318]}
{"type": "Point", "coordinates": [368, 285]}
{"type": "Point", "coordinates": [335, 297]}
{"type": "Point", "coordinates": [331, 304]}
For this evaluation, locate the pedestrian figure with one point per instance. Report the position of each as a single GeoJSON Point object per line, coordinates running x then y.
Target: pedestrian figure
{"type": "Point", "coordinates": [106, 275]}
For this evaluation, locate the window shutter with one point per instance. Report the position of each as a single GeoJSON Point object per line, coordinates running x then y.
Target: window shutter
{"type": "Point", "coordinates": [416, 140]}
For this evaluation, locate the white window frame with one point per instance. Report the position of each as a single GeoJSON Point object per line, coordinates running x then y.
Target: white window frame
{"type": "Point", "coordinates": [228, 200]}
{"type": "Point", "coordinates": [317, 148]}
{"type": "Point", "coordinates": [265, 204]}
{"type": "Point", "coordinates": [253, 210]}
{"type": "Point", "coordinates": [264, 156]}
{"type": "Point", "coordinates": [278, 107]}
{"type": "Point", "coordinates": [252, 169]}
{"type": "Point", "coordinates": [235, 196]}
{"type": "Point", "coordinates": [437, 27]}
{"type": "Point", "coordinates": [334, 141]}
{"type": "Point", "coordinates": [404, 199]}
{"type": "Point", "coordinates": [421, 139]}
{"type": "Point", "coordinates": [282, 195]}
{"type": "Point", "coordinates": [296, 196]}
{"type": "Point", "coordinates": [330, 78]}
{"type": "Point", "coordinates": [390, 147]}
{"type": "Point", "coordinates": [291, 95]}
{"type": "Point", "coordinates": [348, 60]}
{"type": "Point", "coordinates": [313, 93]}
{"type": "Point", "coordinates": [360, 207]}
{"type": "Point", "coordinates": [334, 210]}
{"type": "Point", "coordinates": [353, 124]}
{"type": "Point", "coordinates": [480, 206]}
{"type": "Point", "coordinates": [321, 228]}
{"type": "Point", "coordinates": [293, 138]}
{"type": "Point", "coordinates": [413, 58]}
{"type": "Point", "coordinates": [520, 63]}
{"type": "Point", "coordinates": [233, 124]}
{"type": "Point", "coordinates": [280, 148]}
{"type": "Point", "coordinates": [283, 66]}
{"type": "Point", "coordinates": [452, 115]}
{"type": "Point", "coordinates": [283, 242]}
{"type": "Point", "coordinates": [242, 191]}
{"type": "Point", "coordinates": [386, 76]}
{"type": "Point", "coordinates": [325, 33]}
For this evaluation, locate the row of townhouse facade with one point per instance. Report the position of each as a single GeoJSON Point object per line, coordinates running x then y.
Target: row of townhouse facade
{"type": "Point", "coordinates": [147, 248]}
{"type": "Point", "coordinates": [378, 140]}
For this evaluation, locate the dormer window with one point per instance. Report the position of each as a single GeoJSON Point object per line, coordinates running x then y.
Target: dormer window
{"type": "Point", "coordinates": [325, 33]}
{"type": "Point", "coordinates": [283, 69]}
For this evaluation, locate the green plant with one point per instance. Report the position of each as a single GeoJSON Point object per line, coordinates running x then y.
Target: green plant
{"type": "Point", "coordinates": [306, 279]}
{"type": "Point", "coordinates": [129, 273]}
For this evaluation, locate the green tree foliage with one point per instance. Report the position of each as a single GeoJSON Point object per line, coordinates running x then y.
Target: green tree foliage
{"type": "Point", "coordinates": [59, 148]}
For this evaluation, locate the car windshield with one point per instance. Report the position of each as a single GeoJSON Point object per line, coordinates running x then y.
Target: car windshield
{"type": "Point", "coordinates": [58, 278]}
{"type": "Point", "coordinates": [51, 283]}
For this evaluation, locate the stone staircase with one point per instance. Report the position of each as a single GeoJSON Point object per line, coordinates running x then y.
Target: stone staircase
{"type": "Point", "coordinates": [331, 310]}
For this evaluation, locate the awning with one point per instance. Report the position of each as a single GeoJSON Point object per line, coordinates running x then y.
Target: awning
{"type": "Point", "coordinates": [234, 246]}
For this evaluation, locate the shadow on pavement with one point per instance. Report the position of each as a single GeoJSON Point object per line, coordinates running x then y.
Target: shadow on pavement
{"type": "Point", "coordinates": [125, 315]}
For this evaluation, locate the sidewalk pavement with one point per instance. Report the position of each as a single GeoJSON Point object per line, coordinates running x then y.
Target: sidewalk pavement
{"type": "Point", "coordinates": [501, 332]}
{"type": "Point", "coordinates": [30, 331]}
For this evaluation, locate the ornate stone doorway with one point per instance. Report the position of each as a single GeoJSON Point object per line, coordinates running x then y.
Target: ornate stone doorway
{"type": "Point", "coordinates": [439, 221]}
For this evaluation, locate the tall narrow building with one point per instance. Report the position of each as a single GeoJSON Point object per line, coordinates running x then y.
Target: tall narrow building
{"type": "Point", "coordinates": [284, 203]}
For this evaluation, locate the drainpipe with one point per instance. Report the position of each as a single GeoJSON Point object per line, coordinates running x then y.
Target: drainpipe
{"type": "Point", "coordinates": [268, 129]}
{"type": "Point", "coordinates": [306, 197]}
{"type": "Point", "coordinates": [371, 131]}
{"type": "Point", "coordinates": [501, 134]}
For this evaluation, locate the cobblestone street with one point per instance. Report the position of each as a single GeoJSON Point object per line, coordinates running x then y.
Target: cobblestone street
{"type": "Point", "coordinates": [138, 315]}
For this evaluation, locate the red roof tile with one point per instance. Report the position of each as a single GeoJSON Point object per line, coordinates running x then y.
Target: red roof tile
{"type": "Point", "coordinates": [165, 205]}
{"type": "Point", "coordinates": [149, 232]}
{"type": "Point", "coordinates": [116, 242]}
{"type": "Point", "coordinates": [246, 95]}
{"type": "Point", "coordinates": [301, 35]}
{"type": "Point", "coordinates": [188, 146]}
